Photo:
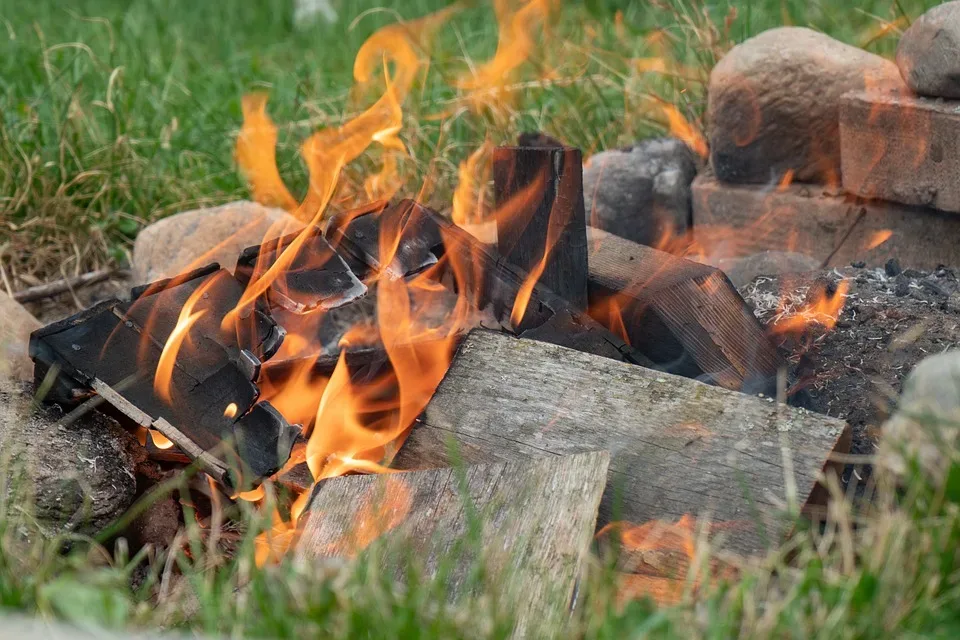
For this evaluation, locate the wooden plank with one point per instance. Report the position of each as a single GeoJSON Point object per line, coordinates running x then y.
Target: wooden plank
{"type": "Point", "coordinates": [685, 316]}
{"type": "Point", "coordinates": [537, 521]}
{"type": "Point", "coordinates": [677, 446]}
{"type": "Point", "coordinates": [541, 224]}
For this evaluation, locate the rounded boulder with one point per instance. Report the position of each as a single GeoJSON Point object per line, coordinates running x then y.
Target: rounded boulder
{"type": "Point", "coordinates": [929, 53]}
{"type": "Point", "coordinates": [774, 104]}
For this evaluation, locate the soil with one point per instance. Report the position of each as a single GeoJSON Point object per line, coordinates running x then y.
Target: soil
{"type": "Point", "coordinates": [891, 320]}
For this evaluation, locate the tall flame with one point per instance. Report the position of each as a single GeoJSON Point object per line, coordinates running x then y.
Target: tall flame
{"type": "Point", "coordinates": [486, 86]}
{"type": "Point", "coordinates": [257, 157]}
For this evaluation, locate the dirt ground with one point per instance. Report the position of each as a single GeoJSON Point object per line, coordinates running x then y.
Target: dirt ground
{"type": "Point", "coordinates": [891, 320]}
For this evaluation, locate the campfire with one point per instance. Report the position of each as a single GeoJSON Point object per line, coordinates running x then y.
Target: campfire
{"type": "Point", "coordinates": [356, 355]}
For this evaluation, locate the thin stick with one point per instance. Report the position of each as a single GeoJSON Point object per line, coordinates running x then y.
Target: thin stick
{"type": "Point", "coordinates": [50, 289]}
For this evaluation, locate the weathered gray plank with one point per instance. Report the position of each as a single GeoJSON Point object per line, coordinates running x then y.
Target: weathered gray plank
{"type": "Point", "coordinates": [538, 518]}
{"type": "Point", "coordinates": [678, 446]}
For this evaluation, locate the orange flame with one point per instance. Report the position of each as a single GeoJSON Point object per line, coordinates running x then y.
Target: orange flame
{"type": "Point", "coordinates": [878, 238]}
{"type": "Point", "coordinates": [168, 356]}
{"type": "Point", "coordinates": [823, 310]}
{"type": "Point", "coordinates": [474, 174]}
{"type": "Point", "coordinates": [681, 128]}
{"type": "Point", "coordinates": [486, 86]}
{"type": "Point", "coordinates": [257, 157]}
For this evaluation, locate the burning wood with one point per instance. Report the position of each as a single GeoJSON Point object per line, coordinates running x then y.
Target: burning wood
{"type": "Point", "coordinates": [541, 224]}
{"type": "Point", "coordinates": [685, 316]}
{"type": "Point", "coordinates": [198, 392]}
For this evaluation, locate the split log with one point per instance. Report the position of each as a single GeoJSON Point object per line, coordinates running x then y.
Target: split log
{"type": "Point", "coordinates": [541, 224]}
{"type": "Point", "coordinates": [481, 275]}
{"type": "Point", "coordinates": [685, 316]}
{"type": "Point", "coordinates": [537, 520]}
{"type": "Point", "coordinates": [678, 447]}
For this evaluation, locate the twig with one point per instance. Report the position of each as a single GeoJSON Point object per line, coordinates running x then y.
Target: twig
{"type": "Point", "coordinates": [57, 287]}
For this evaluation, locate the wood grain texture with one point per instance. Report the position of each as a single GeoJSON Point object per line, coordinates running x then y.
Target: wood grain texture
{"type": "Point", "coordinates": [542, 224]}
{"type": "Point", "coordinates": [685, 316]}
{"type": "Point", "coordinates": [677, 446]}
{"type": "Point", "coordinates": [537, 519]}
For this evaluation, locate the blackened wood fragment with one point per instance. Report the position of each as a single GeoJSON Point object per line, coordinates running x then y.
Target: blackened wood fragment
{"type": "Point", "coordinates": [398, 240]}
{"type": "Point", "coordinates": [541, 224]}
{"type": "Point", "coordinates": [316, 277]}
{"type": "Point", "coordinates": [208, 401]}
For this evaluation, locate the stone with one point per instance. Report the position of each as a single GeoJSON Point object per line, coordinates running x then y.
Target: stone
{"type": "Point", "coordinates": [157, 525]}
{"type": "Point", "coordinates": [901, 148]}
{"type": "Point", "coordinates": [738, 220]}
{"type": "Point", "coordinates": [79, 478]}
{"type": "Point", "coordinates": [16, 324]}
{"type": "Point", "coordinates": [641, 193]}
{"type": "Point", "coordinates": [196, 238]}
{"type": "Point", "coordinates": [743, 271]}
{"type": "Point", "coordinates": [773, 105]}
{"type": "Point", "coordinates": [929, 52]}
{"type": "Point", "coordinates": [924, 430]}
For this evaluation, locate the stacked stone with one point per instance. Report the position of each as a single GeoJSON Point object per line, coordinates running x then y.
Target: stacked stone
{"type": "Point", "coordinates": [817, 146]}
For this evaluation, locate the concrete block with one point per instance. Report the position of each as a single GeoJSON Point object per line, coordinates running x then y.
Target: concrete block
{"type": "Point", "coordinates": [901, 148]}
{"type": "Point", "coordinates": [739, 220]}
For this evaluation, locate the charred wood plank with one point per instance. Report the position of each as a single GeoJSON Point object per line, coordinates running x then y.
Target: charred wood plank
{"type": "Point", "coordinates": [487, 281]}
{"type": "Point", "coordinates": [685, 316]}
{"type": "Point", "coordinates": [677, 446]}
{"type": "Point", "coordinates": [315, 276]}
{"type": "Point", "coordinates": [397, 240]}
{"type": "Point", "coordinates": [537, 519]}
{"type": "Point", "coordinates": [209, 403]}
{"type": "Point", "coordinates": [541, 223]}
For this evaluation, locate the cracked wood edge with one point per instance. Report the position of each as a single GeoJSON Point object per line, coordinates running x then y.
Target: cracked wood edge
{"type": "Point", "coordinates": [677, 446]}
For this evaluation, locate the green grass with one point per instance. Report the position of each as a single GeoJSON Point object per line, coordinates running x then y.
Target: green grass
{"type": "Point", "coordinates": [115, 113]}
{"type": "Point", "coordinates": [889, 571]}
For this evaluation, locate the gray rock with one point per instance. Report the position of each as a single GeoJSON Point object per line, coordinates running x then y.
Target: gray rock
{"type": "Point", "coordinates": [929, 52]}
{"type": "Point", "coordinates": [925, 428]}
{"type": "Point", "coordinates": [643, 192]}
{"type": "Point", "coordinates": [743, 271]}
{"type": "Point", "coordinates": [196, 238]}
{"type": "Point", "coordinates": [80, 478]}
{"type": "Point", "coordinates": [774, 104]}
{"type": "Point", "coordinates": [16, 324]}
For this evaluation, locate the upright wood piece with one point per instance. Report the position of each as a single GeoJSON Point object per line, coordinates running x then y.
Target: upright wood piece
{"type": "Point", "coordinates": [683, 315]}
{"type": "Point", "coordinates": [537, 519]}
{"type": "Point", "coordinates": [677, 446]}
{"type": "Point", "coordinates": [539, 196]}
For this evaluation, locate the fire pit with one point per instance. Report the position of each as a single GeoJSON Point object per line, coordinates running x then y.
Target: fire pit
{"type": "Point", "coordinates": [583, 383]}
